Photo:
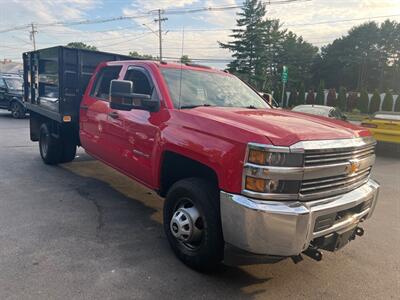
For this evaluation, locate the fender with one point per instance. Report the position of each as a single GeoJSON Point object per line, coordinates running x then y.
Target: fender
{"type": "Point", "coordinates": [224, 156]}
{"type": "Point", "coordinates": [16, 99]}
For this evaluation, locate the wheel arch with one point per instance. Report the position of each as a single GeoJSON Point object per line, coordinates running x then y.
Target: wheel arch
{"type": "Point", "coordinates": [176, 166]}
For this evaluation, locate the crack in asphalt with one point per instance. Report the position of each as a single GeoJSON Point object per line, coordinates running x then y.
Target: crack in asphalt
{"type": "Point", "coordinates": [99, 208]}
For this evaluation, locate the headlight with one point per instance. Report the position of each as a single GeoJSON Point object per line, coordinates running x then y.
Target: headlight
{"type": "Point", "coordinates": [277, 159]}
{"type": "Point", "coordinates": [257, 177]}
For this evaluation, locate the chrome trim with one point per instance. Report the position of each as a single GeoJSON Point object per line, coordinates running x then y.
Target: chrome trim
{"type": "Point", "coordinates": [337, 145]}
{"type": "Point", "coordinates": [356, 149]}
{"type": "Point", "coordinates": [269, 148]}
{"type": "Point", "coordinates": [286, 228]}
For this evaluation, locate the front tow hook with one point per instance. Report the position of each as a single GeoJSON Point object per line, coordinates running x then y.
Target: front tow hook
{"type": "Point", "coordinates": [313, 253]}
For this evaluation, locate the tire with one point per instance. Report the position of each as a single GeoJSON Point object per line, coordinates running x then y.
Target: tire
{"type": "Point", "coordinates": [201, 252]}
{"type": "Point", "coordinates": [68, 151]}
{"type": "Point", "coordinates": [17, 110]}
{"type": "Point", "coordinates": [49, 146]}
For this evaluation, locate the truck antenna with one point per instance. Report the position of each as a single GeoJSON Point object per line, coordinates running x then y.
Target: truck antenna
{"type": "Point", "coordinates": [180, 79]}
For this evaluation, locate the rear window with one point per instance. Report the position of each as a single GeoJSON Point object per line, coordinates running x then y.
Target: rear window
{"type": "Point", "coordinates": [101, 87]}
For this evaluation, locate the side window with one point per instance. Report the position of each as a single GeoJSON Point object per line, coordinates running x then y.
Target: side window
{"type": "Point", "coordinates": [101, 86]}
{"type": "Point", "coordinates": [2, 84]}
{"type": "Point", "coordinates": [141, 83]}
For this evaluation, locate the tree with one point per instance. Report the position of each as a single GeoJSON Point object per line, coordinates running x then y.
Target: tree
{"type": "Point", "coordinates": [185, 59]}
{"type": "Point", "coordinates": [301, 99]}
{"type": "Point", "coordinates": [80, 45]}
{"type": "Point", "coordinates": [388, 102]}
{"type": "Point", "coordinates": [352, 101]}
{"type": "Point", "coordinates": [375, 102]}
{"type": "Point", "coordinates": [321, 93]}
{"type": "Point", "coordinates": [248, 44]}
{"type": "Point", "coordinates": [397, 105]}
{"type": "Point", "coordinates": [363, 102]}
{"type": "Point", "coordinates": [342, 103]}
{"type": "Point", "coordinates": [331, 98]}
{"type": "Point", "coordinates": [136, 54]}
{"type": "Point", "coordinates": [310, 97]}
{"type": "Point", "coordinates": [367, 57]}
{"type": "Point", "coordinates": [293, 98]}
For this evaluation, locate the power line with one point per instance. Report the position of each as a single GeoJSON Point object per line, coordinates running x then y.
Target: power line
{"type": "Point", "coordinates": [145, 15]}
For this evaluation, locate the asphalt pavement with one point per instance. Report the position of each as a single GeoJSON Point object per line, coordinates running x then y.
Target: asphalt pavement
{"type": "Point", "coordinates": [84, 231]}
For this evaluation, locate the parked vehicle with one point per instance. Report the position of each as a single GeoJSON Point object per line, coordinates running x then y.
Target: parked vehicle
{"type": "Point", "coordinates": [239, 176]}
{"type": "Point", "coordinates": [321, 110]}
{"type": "Point", "coordinates": [11, 95]}
{"type": "Point", "coordinates": [384, 126]}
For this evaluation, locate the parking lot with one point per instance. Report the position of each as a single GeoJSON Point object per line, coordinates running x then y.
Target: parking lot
{"type": "Point", "coordinates": [83, 231]}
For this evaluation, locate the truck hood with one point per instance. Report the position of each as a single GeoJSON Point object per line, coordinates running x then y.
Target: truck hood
{"type": "Point", "coordinates": [282, 127]}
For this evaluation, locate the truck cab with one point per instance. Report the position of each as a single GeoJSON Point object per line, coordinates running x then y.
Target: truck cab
{"type": "Point", "coordinates": [240, 178]}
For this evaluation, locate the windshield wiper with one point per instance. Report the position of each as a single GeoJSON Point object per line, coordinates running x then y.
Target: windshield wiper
{"type": "Point", "coordinates": [197, 105]}
{"type": "Point", "coordinates": [250, 107]}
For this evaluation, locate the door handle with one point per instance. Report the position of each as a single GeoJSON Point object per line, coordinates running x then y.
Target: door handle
{"type": "Point", "coordinates": [113, 115]}
{"type": "Point", "coordinates": [84, 107]}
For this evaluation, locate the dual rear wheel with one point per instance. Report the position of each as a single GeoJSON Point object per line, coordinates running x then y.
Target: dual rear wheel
{"type": "Point", "coordinates": [53, 149]}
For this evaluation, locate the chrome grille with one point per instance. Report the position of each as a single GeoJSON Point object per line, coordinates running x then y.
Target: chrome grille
{"type": "Point", "coordinates": [316, 157]}
{"type": "Point", "coordinates": [338, 183]}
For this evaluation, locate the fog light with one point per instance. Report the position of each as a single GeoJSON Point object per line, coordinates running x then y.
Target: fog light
{"type": "Point", "coordinates": [255, 184]}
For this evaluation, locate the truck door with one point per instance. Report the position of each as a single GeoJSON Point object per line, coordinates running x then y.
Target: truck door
{"type": "Point", "coordinates": [94, 110]}
{"type": "Point", "coordinates": [133, 133]}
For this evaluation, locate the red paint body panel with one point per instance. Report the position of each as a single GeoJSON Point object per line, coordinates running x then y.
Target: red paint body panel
{"type": "Point", "coordinates": [136, 141]}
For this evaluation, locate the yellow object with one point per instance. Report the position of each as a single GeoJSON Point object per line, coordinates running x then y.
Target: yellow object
{"type": "Point", "coordinates": [255, 184]}
{"type": "Point", "coordinates": [385, 127]}
{"type": "Point", "coordinates": [257, 157]}
{"type": "Point", "coordinates": [67, 119]}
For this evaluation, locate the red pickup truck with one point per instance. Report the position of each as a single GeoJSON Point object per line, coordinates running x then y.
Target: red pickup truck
{"type": "Point", "coordinates": [238, 176]}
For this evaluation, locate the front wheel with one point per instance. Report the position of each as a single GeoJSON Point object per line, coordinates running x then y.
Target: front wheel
{"type": "Point", "coordinates": [17, 110]}
{"type": "Point", "coordinates": [192, 223]}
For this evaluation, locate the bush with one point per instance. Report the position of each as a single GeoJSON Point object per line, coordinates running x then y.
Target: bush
{"type": "Point", "coordinates": [321, 93]}
{"type": "Point", "coordinates": [363, 102]}
{"type": "Point", "coordinates": [301, 98]}
{"type": "Point", "coordinates": [352, 100]}
{"type": "Point", "coordinates": [388, 102]}
{"type": "Point", "coordinates": [331, 98]}
{"type": "Point", "coordinates": [310, 97]}
{"type": "Point", "coordinates": [342, 99]}
{"type": "Point", "coordinates": [375, 102]}
{"type": "Point", "coordinates": [397, 105]}
{"type": "Point", "coordinates": [278, 95]}
{"type": "Point", "coordinates": [293, 98]}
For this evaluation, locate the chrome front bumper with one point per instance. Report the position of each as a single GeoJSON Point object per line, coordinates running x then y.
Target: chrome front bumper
{"type": "Point", "coordinates": [286, 228]}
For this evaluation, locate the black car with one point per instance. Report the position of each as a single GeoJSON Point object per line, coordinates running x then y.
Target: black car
{"type": "Point", "coordinates": [11, 95]}
{"type": "Point", "coordinates": [321, 110]}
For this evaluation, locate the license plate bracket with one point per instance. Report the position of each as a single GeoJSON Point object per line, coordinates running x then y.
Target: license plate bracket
{"type": "Point", "coordinates": [336, 240]}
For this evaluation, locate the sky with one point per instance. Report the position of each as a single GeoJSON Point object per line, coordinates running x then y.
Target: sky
{"type": "Point", "coordinates": [318, 21]}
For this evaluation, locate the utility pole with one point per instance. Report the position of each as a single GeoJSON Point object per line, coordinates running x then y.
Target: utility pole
{"type": "Point", "coordinates": [32, 35]}
{"type": "Point", "coordinates": [159, 20]}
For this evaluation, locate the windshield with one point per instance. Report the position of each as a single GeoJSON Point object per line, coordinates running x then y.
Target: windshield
{"type": "Point", "coordinates": [14, 83]}
{"type": "Point", "coordinates": [393, 117]}
{"type": "Point", "coordinates": [199, 88]}
{"type": "Point", "coordinates": [320, 111]}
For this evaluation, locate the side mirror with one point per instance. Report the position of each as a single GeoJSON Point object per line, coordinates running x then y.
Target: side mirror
{"type": "Point", "coordinates": [122, 97]}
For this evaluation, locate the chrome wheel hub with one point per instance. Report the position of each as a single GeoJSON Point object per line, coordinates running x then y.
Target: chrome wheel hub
{"type": "Point", "coordinates": [184, 224]}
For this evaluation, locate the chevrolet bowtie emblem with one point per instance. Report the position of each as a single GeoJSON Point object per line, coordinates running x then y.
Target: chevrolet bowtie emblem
{"type": "Point", "coordinates": [353, 167]}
